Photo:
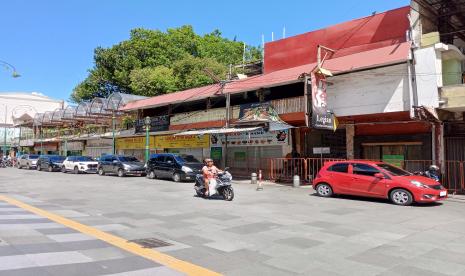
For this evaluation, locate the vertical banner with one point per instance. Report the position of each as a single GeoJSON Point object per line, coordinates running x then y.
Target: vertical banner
{"type": "Point", "coordinates": [322, 117]}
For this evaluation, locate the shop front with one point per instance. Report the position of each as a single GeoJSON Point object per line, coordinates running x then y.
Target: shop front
{"type": "Point", "coordinates": [247, 152]}
{"type": "Point", "coordinates": [195, 145]}
{"type": "Point", "coordinates": [72, 148]}
{"type": "Point", "coordinates": [134, 146]}
{"type": "Point", "coordinates": [46, 148]}
{"type": "Point", "coordinates": [98, 147]}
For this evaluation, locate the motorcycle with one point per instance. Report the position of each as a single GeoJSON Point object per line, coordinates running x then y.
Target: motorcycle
{"type": "Point", "coordinates": [429, 174]}
{"type": "Point", "coordinates": [223, 186]}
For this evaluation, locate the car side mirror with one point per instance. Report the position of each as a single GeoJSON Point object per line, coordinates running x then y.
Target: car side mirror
{"type": "Point", "coordinates": [115, 161]}
{"type": "Point", "coordinates": [379, 175]}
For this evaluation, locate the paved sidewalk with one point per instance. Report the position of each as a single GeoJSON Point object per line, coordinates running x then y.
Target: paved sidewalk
{"type": "Point", "coordinates": [33, 245]}
{"type": "Point", "coordinates": [278, 231]}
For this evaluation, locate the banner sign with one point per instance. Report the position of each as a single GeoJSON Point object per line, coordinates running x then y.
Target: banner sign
{"type": "Point", "coordinates": [133, 143]}
{"type": "Point", "coordinates": [157, 123]}
{"type": "Point", "coordinates": [322, 117]}
{"type": "Point", "coordinates": [256, 112]}
{"type": "Point", "coordinates": [257, 137]}
{"type": "Point", "coordinates": [182, 141]}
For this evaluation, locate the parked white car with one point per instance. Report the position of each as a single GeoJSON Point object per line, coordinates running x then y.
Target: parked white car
{"type": "Point", "coordinates": [28, 161]}
{"type": "Point", "coordinates": [79, 164]}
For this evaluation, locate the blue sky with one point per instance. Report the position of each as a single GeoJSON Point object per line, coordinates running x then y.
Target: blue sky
{"type": "Point", "coordinates": [51, 42]}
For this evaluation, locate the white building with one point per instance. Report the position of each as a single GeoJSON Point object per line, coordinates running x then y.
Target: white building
{"type": "Point", "coordinates": [16, 107]}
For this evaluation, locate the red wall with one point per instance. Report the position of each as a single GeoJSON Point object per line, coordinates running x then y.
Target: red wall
{"type": "Point", "coordinates": [350, 37]}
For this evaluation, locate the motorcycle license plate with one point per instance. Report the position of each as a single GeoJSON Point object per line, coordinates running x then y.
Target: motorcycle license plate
{"type": "Point", "coordinates": [443, 193]}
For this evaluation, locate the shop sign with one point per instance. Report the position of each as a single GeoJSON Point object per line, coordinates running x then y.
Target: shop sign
{"type": "Point", "coordinates": [216, 153]}
{"type": "Point", "coordinates": [182, 141]}
{"type": "Point", "coordinates": [319, 150]}
{"type": "Point", "coordinates": [258, 112]}
{"type": "Point", "coordinates": [322, 117]}
{"type": "Point", "coordinates": [396, 160]}
{"type": "Point", "coordinates": [157, 123]}
{"type": "Point", "coordinates": [257, 137]}
{"type": "Point", "coordinates": [133, 143]}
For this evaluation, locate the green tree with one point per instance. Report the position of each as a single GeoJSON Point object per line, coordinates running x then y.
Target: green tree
{"type": "Point", "coordinates": [152, 62]}
{"type": "Point", "coordinates": [152, 81]}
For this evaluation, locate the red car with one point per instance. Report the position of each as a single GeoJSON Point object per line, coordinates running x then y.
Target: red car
{"type": "Point", "coordinates": [376, 179]}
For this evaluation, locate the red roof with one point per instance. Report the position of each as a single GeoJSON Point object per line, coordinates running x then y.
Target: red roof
{"type": "Point", "coordinates": [376, 31]}
{"type": "Point", "coordinates": [373, 58]}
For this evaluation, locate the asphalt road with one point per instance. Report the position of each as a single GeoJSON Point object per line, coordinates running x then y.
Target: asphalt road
{"type": "Point", "coordinates": [277, 231]}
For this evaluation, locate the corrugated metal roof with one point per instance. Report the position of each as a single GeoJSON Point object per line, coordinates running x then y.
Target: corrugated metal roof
{"type": "Point", "coordinates": [374, 58]}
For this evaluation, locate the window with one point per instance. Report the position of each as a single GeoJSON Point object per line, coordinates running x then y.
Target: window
{"type": "Point", "coordinates": [160, 159]}
{"type": "Point", "coordinates": [395, 171]}
{"type": "Point", "coordinates": [340, 167]}
{"type": "Point", "coordinates": [169, 159]}
{"type": "Point", "coordinates": [363, 169]}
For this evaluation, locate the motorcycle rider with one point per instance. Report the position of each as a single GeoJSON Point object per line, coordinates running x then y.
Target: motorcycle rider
{"type": "Point", "coordinates": [433, 172]}
{"type": "Point", "coordinates": [209, 173]}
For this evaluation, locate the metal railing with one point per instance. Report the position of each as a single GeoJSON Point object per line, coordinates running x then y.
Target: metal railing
{"type": "Point", "coordinates": [283, 169]}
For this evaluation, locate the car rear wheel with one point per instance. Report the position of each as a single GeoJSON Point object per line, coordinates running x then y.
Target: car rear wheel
{"type": "Point", "coordinates": [50, 168]}
{"type": "Point", "coordinates": [28, 167]}
{"type": "Point", "coordinates": [120, 173]}
{"type": "Point", "coordinates": [401, 197]}
{"type": "Point", "coordinates": [63, 169]}
{"type": "Point", "coordinates": [324, 190]}
{"type": "Point", "coordinates": [100, 171]}
{"type": "Point", "coordinates": [39, 168]}
{"type": "Point", "coordinates": [151, 175]}
{"type": "Point", "coordinates": [76, 170]}
{"type": "Point", "coordinates": [176, 177]}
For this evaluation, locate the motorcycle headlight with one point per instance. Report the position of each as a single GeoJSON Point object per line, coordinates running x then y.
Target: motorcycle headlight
{"type": "Point", "coordinates": [186, 169]}
{"type": "Point", "coordinates": [419, 184]}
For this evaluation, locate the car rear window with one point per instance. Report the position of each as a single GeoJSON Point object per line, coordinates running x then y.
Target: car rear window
{"type": "Point", "coordinates": [339, 167]}
{"type": "Point", "coordinates": [33, 156]}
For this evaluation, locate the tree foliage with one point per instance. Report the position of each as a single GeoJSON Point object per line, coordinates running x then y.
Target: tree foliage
{"type": "Point", "coordinates": [152, 62]}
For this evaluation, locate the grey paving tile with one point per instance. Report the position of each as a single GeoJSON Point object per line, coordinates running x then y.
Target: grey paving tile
{"type": "Point", "coordinates": [249, 256]}
{"type": "Point", "coordinates": [439, 266]}
{"type": "Point", "coordinates": [379, 259]}
{"type": "Point", "coordinates": [33, 271]}
{"type": "Point", "coordinates": [70, 237]}
{"type": "Point", "coordinates": [83, 245]}
{"type": "Point", "coordinates": [105, 253]}
{"type": "Point", "coordinates": [342, 231]}
{"type": "Point", "coordinates": [9, 250]}
{"type": "Point", "coordinates": [15, 217]}
{"type": "Point", "coordinates": [193, 240]}
{"type": "Point", "coordinates": [58, 258]}
{"type": "Point", "coordinates": [23, 221]}
{"type": "Point", "coordinates": [125, 264]}
{"type": "Point", "coordinates": [405, 270]}
{"type": "Point", "coordinates": [322, 224]}
{"type": "Point", "coordinates": [299, 242]}
{"type": "Point", "coordinates": [29, 240]}
{"type": "Point", "coordinates": [35, 248]}
{"type": "Point", "coordinates": [61, 230]}
{"type": "Point", "coordinates": [79, 269]}
{"type": "Point", "coordinates": [158, 271]}
{"type": "Point", "coordinates": [253, 228]}
{"type": "Point", "coordinates": [342, 211]}
{"type": "Point", "coordinates": [15, 262]}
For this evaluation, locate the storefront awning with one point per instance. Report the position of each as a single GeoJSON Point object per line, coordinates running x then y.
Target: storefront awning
{"type": "Point", "coordinates": [217, 131]}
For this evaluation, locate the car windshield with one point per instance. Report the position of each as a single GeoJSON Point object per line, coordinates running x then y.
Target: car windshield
{"type": "Point", "coordinates": [84, 158]}
{"type": "Point", "coordinates": [57, 158]}
{"type": "Point", "coordinates": [393, 170]}
{"type": "Point", "coordinates": [128, 159]}
{"type": "Point", "coordinates": [186, 159]}
{"type": "Point", "coordinates": [33, 156]}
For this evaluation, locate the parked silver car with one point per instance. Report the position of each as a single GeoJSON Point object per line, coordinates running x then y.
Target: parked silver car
{"type": "Point", "coordinates": [28, 161]}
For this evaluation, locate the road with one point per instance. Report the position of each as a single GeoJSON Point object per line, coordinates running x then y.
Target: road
{"type": "Point", "coordinates": [66, 224]}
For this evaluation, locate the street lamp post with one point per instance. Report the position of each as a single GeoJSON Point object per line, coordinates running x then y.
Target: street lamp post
{"type": "Point", "coordinates": [113, 117]}
{"type": "Point", "coordinates": [4, 134]}
{"type": "Point", "coordinates": [147, 138]}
